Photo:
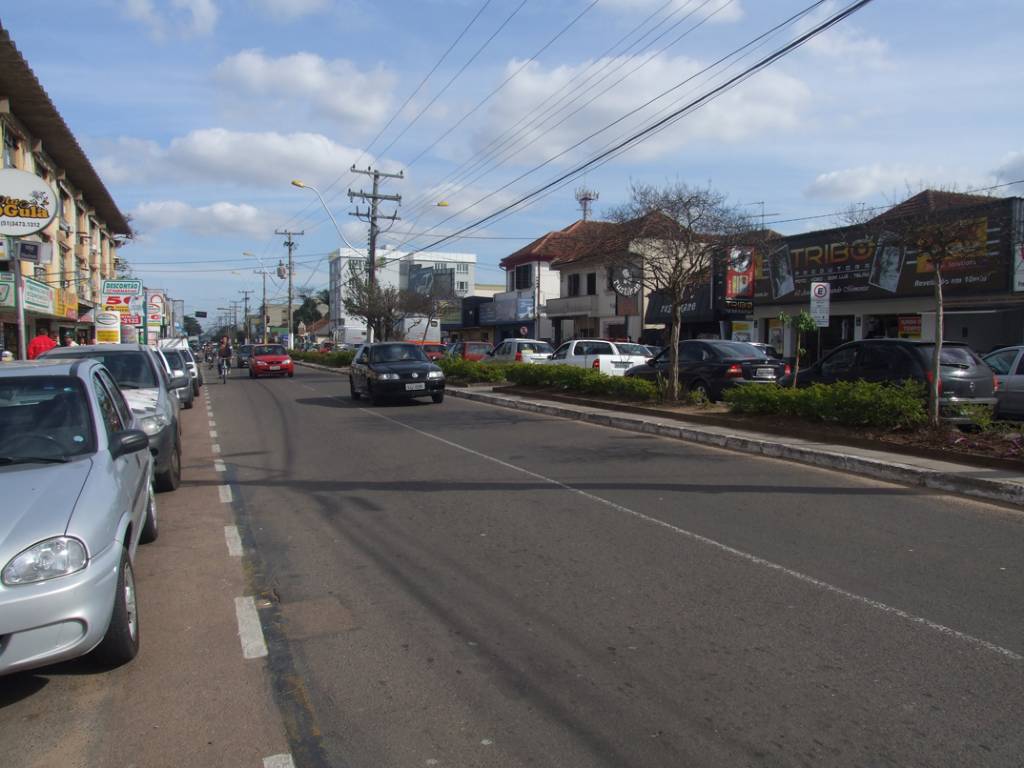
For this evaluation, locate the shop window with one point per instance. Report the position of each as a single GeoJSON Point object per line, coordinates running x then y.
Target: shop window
{"type": "Point", "coordinates": [591, 283]}
{"type": "Point", "coordinates": [573, 288]}
{"type": "Point", "coordinates": [10, 151]}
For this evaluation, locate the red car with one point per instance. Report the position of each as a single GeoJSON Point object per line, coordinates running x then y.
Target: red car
{"type": "Point", "coordinates": [270, 360]}
{"type": "Point", "coordinates": [432, 349]}
{"type": "Point", "coordinates": [470, 350]}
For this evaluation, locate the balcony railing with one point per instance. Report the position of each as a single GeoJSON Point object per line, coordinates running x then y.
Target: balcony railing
{"type": "Point", "coordinates": [573, 306]}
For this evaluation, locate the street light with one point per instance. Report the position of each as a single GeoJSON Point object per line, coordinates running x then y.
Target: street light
{"type": "Point", "coordinates": [303, 185]}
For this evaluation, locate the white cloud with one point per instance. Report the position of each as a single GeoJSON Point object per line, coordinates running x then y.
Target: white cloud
{"type": "Point", "coordinates": [769, 103]}
{"type": "Point", "coordinates": [219, 219]}
{"type": "Point", "coordinates": [862, 182]}
{"type": "Point", "coordinates": [185, 18]}
{"type": "Point", "coordinates": [721, 11]}
{"type": "Point", "coordinates": [216, 155]}
{"type": "Point", "coordinates": [292, 9]}
{"type": "Point", "coordinates": [336, 88]}
{"type": "Point", "coordinates": [1011, 168]}
{"type": "Point", "coordinates": [844, 43]}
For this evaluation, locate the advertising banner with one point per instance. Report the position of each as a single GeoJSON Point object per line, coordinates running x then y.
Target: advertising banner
{"type": "Point", "coordinates": [858, 267]}
{"type": "Point", "coordinates": [156, 306]}
{"type": "Point", "coordinates": [1018, 267]}
{"type": "Point", "coordinates": [38, 297]}
{"type": "Point", "coordinates": [6, 290]}
{"type": "Point", "coordinates": [108, 328]}
{"type": "Point", "coordinates": [739, 274]}
{"type": "Point", "coordinates": [742, 330]}
{"type": "Point", "coordinates": [125, 297]}
{"type": "Point", "coordinates": [67, 304]}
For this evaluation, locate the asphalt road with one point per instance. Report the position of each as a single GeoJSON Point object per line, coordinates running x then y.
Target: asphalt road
{"type": "Point", "coordinates": [463, 585]}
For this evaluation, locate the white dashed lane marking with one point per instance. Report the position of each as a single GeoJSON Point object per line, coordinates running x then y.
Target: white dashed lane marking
{"type": "Point", "coordinates": [278, 761]}
{"type": "Point", "coordinates": [250, 632]}
{"type": "Point", "coordinates": [219, 466]}
{"type": "Point", "coordinates": [234, 541]}
{"type": "Point", "coordinates": [225, 493]}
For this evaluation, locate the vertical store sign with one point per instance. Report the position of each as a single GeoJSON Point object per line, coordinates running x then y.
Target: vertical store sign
{"type": "Point", "coordinates": [820, 295]}
{"type": "Point", "coordinates": [156, 305]}
{"type": "Point", "coordinates": [126, 299]}
{"type": "Point", "coordinates": [1018, 267]}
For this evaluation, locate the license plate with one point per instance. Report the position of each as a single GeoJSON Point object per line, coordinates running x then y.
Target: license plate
{"type": "Point", "coordinates": [411, 387]}
{"type": "Point", "coordinates": [275, 367]}
{"type": "Point", "coordinates": [764, 373]}
{"type": "Point", "coordinates": [620, 365]}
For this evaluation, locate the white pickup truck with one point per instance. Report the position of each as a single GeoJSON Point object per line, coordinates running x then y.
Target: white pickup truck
{"type": "Point", "coordinates": [609, 357]}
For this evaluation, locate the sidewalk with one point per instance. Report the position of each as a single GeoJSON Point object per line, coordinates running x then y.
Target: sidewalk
{"type": "Point", "coordinates": [1000, 485]}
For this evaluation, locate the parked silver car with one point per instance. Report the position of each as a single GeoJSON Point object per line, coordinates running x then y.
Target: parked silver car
{"type": "Point", "coordinates": [1008, 365]}
{"type": "Point", "coordinates": [76, 477]}
{"type": "Point", "coordinates": [149, 391]}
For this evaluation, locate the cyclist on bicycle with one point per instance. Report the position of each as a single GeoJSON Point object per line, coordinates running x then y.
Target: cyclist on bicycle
{"type": "Point", "coordinates": [224, 353]}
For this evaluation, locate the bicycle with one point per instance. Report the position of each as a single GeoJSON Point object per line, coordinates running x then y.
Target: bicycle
{"type": "Point", "coordinates": [222, 369]}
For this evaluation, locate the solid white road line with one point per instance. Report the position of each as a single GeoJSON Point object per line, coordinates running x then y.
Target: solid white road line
{"type": "Point", "coordinates": [219, 466]}
{"type": "Point", "coordinates": [249, 630]}
{"type": "Point", "coordinates": [802, 577]}
{"type": "Point", "coordinates": [225, 493]}
{"type": "Point", "coordinates": [278, 761]}
{"type": "Point", "coordinates": [215, 448]}
{"type": "Point", "coordinates": [233, 540]}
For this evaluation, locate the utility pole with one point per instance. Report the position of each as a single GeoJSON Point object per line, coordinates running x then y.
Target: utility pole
{"type": "Point", "coordinates": [290, 245]}
{"type": "Point", "coordinates": [245, 313]}
{"type": "Point", "coordinates": [371, 215]}
{"type": "Point", "coordinates": [263, 306]}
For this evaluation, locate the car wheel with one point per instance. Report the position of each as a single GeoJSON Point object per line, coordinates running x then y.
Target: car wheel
{"type": "Point", "coordinates": [195, 387]}
{"type": "Point", "coordinates": [120, 644]}
{"type": "Point", "coordinates": [352, 391]}
{"type": "Point", "coordinates": [170, 479]}
{"type": "Point", "coordinates": [438, 398]}
{"type": "Point", "coordinates": [150, 530]}
{"type": "Point", "coordinates": [700, 389]}
{"type": "Point", "coordinates": [190, 403]}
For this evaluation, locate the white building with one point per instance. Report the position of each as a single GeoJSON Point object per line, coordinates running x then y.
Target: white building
{"type": "Point", "coordinates": [402, 270]}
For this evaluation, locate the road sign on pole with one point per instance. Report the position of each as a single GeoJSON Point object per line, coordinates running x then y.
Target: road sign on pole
{"type": "Point", "coordinates": [820, 295]}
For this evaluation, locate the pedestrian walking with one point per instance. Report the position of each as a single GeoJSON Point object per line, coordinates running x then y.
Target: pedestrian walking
{"type": "Point", "coordinates": [43, 342]}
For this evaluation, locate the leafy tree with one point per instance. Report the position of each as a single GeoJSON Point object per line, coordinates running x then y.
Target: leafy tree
{"type": "Point", "coordinates": [192, 326]}
{"type": "Point", "coordinates": [677, 235]}
{"type": "Point", "coordinates": [383, 308]}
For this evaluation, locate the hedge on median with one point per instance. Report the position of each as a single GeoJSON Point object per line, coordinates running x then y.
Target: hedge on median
{"type": "Point", "coordinates": [847, 403]}
{"type": "Point", "coordinates": [471, 371]}
{"type": "Point", "coordinates": [570, 378]}
{"type": "Point", "coordinates": [332, 359]}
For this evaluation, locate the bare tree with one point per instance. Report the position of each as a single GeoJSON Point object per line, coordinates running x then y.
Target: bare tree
{"type": "Point", "coordinates": [676, 236]}
{"type": "Point", "coordinates": [940, 228]}
{"type": "Point", "coordinates": [384, 308]}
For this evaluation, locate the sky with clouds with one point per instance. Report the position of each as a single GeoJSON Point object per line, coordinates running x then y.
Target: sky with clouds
{"type": "Point", "coordinates": [198, 113]}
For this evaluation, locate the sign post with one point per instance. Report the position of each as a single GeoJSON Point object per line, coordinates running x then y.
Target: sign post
{"type": "Point", "coordinates": [27, 205]}
{"type": "Point", "coordinates": [820, 295]}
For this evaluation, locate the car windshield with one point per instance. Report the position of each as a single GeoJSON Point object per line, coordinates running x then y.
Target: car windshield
{"type": "Point", "coordinates": [174, 359]}
{"type": "Point", "coordinates": [439, 348]}
{"type": "Point", "coordinates": [44, 419]}
{"type": "Point", "coordinates": [535, 347]}
{"type": "Point", "coordinates": [480, 347]}
{"type": "Point", "coordinates": [632, 349]}
{"type": "Point", "coordinates": [268, 349]}
{"type": "Point", "coordinates": [245, 349]}
{"type": "Point", "coordinates": [733, 349]}
{"type": "Point", "coordinates": [394, 353]}
{"type": "Point", "coordinates": [130, 369]}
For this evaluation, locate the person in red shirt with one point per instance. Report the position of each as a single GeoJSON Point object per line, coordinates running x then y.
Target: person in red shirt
{"type": "Point", "coordinates": [43, 342]}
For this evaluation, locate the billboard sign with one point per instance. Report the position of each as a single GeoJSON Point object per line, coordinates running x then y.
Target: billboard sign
{"type": "Point", "coordinates": [858, 267]}
{"type": "Point", "coordinates": [38, 297]}
{"type": "Point", "coordinates": [27, 203]}
{"type": "Point", "coordinates": [126, 298]}
{"type": "Point", "coordinates": [6, 290]}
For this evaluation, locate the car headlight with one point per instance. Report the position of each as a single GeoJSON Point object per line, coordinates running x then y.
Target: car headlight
{"type": "Point", "coordinates": [286, 361]}
{"type": "Point", "coordinates": [153, 424]}
{"type": "Point", "coordinates": [387, 376]}
{"type": "Point", "coordinates": [261, 362]}
{"type": "Point", "coordinates": [435, 375]}
{"type": "Point", "coordinates": [48, 559]}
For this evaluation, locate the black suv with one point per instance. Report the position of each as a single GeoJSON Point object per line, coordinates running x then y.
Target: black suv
{"type": "Point", "coordinates": [964, 378]}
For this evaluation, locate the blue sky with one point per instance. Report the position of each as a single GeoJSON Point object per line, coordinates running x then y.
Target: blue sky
{"type": "Point", "coordinates": [198, 113]}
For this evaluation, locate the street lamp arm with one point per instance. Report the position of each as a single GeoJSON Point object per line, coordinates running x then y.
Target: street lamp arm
{"type": "Point", "coordinates": [303, 185]}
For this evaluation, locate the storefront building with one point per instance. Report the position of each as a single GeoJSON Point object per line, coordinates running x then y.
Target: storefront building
{"type": "Point", "coordinates": [880, 290]}
{"type": "Point", "coordinates": [78, 250]}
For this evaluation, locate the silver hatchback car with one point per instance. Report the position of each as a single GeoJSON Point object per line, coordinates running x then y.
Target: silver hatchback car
{"type": "Point", "coordinates": [77, 484]}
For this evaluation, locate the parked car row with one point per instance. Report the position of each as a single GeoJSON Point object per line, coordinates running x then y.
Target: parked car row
{"type": "Point", "coordinates": [88, 435]}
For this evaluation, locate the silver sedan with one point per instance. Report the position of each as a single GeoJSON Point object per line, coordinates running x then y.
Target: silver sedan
{"type": "Point", "coordinates": [77, 485]}
{"type": "Point", "coordinates": [1008, 365]}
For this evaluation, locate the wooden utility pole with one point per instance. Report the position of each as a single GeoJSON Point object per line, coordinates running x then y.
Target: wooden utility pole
{"type": "Point", "coordinates": [371, 215]}
{"type": "Point", "coordinates": [290, 245]}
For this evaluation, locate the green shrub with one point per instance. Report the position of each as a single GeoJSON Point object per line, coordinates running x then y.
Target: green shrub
{"type": "Point", "coordinates": [471, 371]}
{"type": "Point", "coordinates": [570, 378]}
{"type": "Point", "coordinates": [847, 403]}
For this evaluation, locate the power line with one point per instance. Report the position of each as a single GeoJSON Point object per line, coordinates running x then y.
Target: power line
{"type": "Point", "coordinates": [643, 134]}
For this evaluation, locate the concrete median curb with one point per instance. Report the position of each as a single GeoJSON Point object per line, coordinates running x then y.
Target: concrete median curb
{"type": "Point", "coordinates": [1004, 491]}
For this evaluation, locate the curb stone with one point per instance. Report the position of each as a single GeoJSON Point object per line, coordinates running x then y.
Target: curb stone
{"type": "Point", "coordinates": [951, 482]}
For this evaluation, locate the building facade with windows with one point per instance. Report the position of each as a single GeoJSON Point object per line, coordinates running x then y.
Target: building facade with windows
{"type": "Point", "coordinates": [447, 276]}
{"type": "Point", "coordinates": [78, 250]}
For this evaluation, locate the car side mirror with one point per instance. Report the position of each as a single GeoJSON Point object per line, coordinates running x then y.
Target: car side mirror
{"type": "Point", "coordinates": [179, 381]}
{"type": "Point", "coordinates": [651, 361]}
{"type": "Point", "coordinates": [128, 441]}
